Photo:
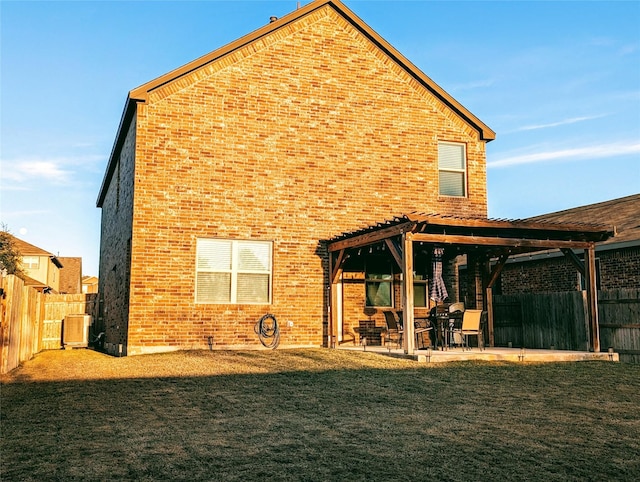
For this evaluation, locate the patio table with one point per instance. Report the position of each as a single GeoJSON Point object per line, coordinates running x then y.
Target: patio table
{"type": "Point", "coordinates": [442, 330]}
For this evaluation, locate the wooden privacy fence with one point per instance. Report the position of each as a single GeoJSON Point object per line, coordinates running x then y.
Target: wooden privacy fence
{"type": "Point", "coordinates": [559, 320]}
{"type": "Point", "coordinates": [31, 321]}
{"type": "Point", "coordinates": [56, 307]}
{"type": "Point", "coordinates": [619, 312]}
{"type": "Point", "coordinates": [21, 309]}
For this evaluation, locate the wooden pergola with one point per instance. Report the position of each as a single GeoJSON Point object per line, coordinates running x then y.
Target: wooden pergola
{"type": "Point", "coordinates": [488, 243]}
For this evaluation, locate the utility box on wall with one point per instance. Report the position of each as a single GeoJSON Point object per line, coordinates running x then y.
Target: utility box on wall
{"type": "Point", "coordinates": [75, 331]}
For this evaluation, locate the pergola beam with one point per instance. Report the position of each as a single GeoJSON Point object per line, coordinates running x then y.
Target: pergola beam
{"type": "Point", "coordinates": [336, 268]}
{"type": "Point", "coordinates": [577, 262]}
{"type": "Point", "coordinates": [396, 251]}
{"type": "Point", "coordinates": [371, 237]}
{"type": "Point", "coordinates": [497, 269]}
{"type": "Point", "coordinates": [498, 241]}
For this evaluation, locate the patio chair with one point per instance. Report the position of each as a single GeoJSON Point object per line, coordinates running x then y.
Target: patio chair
{"type": "Point", "coordinates": [348, 336]}
{"type": "Point", "coordinates": [456, 311]}
{"type": "Point", "coordinates": [471, 325]}
{"type": "Point", "coordinates": [421, 327]}
{"type": "Point", "coordinates": [395, 330]}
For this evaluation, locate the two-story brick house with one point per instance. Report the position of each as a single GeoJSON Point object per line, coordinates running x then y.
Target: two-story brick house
{"type": "Point", "coordinates": [229, 176]}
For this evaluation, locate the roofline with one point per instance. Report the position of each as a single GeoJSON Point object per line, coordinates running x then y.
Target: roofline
{"type": "Point", "coordinates": [125, 120]}
{"type": "Point", "coordinates": [579, 209]}
{"type": "Point", "coordinates": [141, 93]}
{"type": "Point", "coordinates": [437, 219]}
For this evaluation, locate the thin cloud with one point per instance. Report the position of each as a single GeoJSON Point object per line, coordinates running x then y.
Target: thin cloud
{"type": "Point", "coordinates": [55, 170]}
{"type": "Point", "coordinates": [572, 120]}
{"type": "Point", "coordinates": [13, 187]}
{"type": "Point", "coordinates": [582, 153]}
{"type": "Point", "coordinates": [628, 49]}
{"type": "Point", "coordinates": [47, 170]}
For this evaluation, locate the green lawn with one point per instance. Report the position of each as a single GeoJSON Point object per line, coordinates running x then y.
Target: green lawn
{"type": "Point", "coordinates": [316, 415]}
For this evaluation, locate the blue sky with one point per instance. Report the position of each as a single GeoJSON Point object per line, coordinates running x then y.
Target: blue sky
{"type": "Point", "coordinates": [559, 82]}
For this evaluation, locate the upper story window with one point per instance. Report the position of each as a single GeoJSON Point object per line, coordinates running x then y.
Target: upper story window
{"type": "Point", "coordinates": [452, 169]}
{"type": "Point", "coordinates": [233, 272]}
{"type": "Point", "coordinates": [31, 262]}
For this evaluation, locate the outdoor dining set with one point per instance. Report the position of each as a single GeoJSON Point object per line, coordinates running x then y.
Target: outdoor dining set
{"type": "Point", "coordinates": [447, 326]}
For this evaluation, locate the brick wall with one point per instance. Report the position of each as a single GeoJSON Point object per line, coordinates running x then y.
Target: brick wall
{"type": "Point", "coordinates": [115, 248]}
{"type": "Point", "coordinates": [304, 134]}
{"type": "Point", "coordinates": [620, 268]}
{"type": "Point", "coordinates": [617, 269]}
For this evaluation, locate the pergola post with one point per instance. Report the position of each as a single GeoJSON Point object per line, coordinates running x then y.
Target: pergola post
{"type": "Point", "coordinates": [493, 277]}
{"type": "Point", "coordinates": [407, 293]}
{"type": "Point", "coordinates": [335, 272]}
{"type": "Point", "coordinates": [592, 296]}
{"type": "Point", "coordinates": [331, 329]}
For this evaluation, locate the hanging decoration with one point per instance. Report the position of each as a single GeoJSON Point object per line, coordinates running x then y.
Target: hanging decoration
{"type": "Point", "coordinates": [438, 289]}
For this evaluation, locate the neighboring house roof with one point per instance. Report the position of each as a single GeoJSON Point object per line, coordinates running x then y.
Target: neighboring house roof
{"type": "Point", "coordinates": [33, 283]}
{"type": "Point", "coordinates": [87, 280]}
{"type": "Point", "coordinates": [140, 94]}
{"type": "Point", "coordinates": [89, 284]}
{"type": "Point", "coordinates": [623, 213]}
{"type": "Point", "coordinates": [27, 249]}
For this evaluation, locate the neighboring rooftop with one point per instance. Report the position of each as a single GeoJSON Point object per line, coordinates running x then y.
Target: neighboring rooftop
{"type": "Point", "coordinates": [27, 249]}
{"type": "Point", "coordinates": [623, 213]}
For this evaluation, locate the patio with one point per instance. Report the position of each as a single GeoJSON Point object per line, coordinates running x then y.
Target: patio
{"type": "Point", "coordinates": [411, 243]}
{"type": "Point", "coordinates": [516, 355]}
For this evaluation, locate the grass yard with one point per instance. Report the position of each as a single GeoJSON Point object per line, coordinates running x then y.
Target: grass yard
{"type": "Point", "coordinates": [316, 415]}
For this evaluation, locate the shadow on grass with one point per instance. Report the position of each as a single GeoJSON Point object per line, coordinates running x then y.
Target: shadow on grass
{"type": "Point", "coordinates": [465, 421]}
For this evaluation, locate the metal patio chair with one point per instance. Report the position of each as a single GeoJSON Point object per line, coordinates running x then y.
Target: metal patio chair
{"type": "Point", "coordinates": [395, 331]}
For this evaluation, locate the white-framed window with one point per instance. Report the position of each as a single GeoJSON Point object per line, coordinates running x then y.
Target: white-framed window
{"type": "Point", "coordinates": [378, 282]}
{"type": "Point", "coordinates": [233, 271]}
{"type": "Point", "coordinates": [452, 169]}
{"type": "Point", "coordinates": [31, 262]}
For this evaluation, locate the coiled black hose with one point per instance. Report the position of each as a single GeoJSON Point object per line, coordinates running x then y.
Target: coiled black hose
{"type": "Point", "coordinates": [268, 331]}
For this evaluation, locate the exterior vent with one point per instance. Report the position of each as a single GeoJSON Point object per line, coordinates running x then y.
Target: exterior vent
{"type": "Point", "coordinates": [75, 331]}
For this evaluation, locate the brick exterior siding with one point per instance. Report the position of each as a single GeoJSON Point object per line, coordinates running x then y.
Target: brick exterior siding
{"type": "Point", "coordinates": [309, 132]}
{"type": "Point", "coordinates": [115, 245]}
{"type": "Point", "coordinates": [618, 269]}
